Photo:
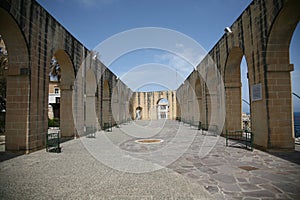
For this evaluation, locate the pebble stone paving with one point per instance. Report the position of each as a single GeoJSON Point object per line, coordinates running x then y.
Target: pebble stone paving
{"type": "Point", "coordinates": [224, 173]}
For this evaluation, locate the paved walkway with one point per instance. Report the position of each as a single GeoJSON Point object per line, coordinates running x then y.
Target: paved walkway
{"type": "Point", "coordinates": [79, 173]}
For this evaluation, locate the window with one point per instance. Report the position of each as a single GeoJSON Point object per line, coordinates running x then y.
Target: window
{"type": "Point", "coordinates": [163, 107]}
{"type": "Point", "coordinates": [56, 91]}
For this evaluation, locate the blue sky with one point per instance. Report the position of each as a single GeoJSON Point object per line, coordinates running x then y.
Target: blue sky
{"type": "Point", "coordinates": [94, 21]}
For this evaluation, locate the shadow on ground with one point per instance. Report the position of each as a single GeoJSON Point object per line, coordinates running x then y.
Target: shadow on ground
{"type": "Point", "coordinates": [293, 156]}
{"type": "Point", "coordinates": [8, 155]}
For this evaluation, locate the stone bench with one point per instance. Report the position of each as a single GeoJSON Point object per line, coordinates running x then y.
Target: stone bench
{"type": "Point", "coordinates": [243, 137]}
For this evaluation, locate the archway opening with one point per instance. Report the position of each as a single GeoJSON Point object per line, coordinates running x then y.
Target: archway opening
{"type": "Point", "coordinates": [233, 89]}
{"type": "Point", "coordinates": [279, 104]}
{"type": "Point", "coordinates": [246, 115]}
{"type": "Point", "coordinates": [138, 113]}
{"type": "Point", "coordinates": [3, 74]}
{"type": "Point", "coordinates": [62, 76]}
{"type": "Point", "coordinates": [163, 109]}
{"type": "Point", "coordinates": [295, 59]}
{"type": "Point", "coordinates": [54, 96]}
{"type": "Point", "coordinates": [20, 132]}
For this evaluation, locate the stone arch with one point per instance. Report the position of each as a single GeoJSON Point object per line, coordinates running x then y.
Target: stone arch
{"type": "Point", "coordinates": [162, 108]}
{"type": "Point", "coordinates": [139, 114]}
{"type": "Point", "coordinates": [232, 74]}
{"type": "Point", "coordinates": [278, 79]}
{"type": "Point", "coordinates": [67, 128]}
{"type": "Point", "coordinates": [18, 90]}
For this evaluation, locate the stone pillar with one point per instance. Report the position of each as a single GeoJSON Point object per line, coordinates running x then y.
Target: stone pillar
{"type": "Point", "coordinates": [233, 106]}
{"type": "Point", "coordinates": [17, 114]}
{"type": "Point", "coordinates": [67, 129]}
{"type": "Point", "coordinates": [203, 105]}
{"type": "Point", "coordinates": [280, 110]}
{"type": "Point", "coordinates": [106, 115]}
{"type": "Point", "coordinates": [199, 115]}
{"type": "Point", "coordinates": [91, 121]}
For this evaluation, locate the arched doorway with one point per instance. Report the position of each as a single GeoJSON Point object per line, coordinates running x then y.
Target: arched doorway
{"type": "Point", "coordinates": [232, 81]}
{"type": "Point", "coordinates": [138, 113]}
{"type": "Point", "coordinates": [65, 82]}
{"type": "Point", "coordinates": [162, 109]}
{"type": "Point", "coordinates": [295, 59]}
{"type": "Point", "coordinates": [246, 115]}
{"type": "Point", "coordinates": [54, 96]}
{"type": "Point", "coordinates": [3, 72]}
{"type": "Point", "coordinates": [17, 78]}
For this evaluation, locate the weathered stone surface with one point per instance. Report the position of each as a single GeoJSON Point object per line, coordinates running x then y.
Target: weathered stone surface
{"type": "Point", "coordinates": [248, 187]}
{"type": "Point", "coordinates": [288, 187]}
{"type": "Point", "coordinates": [224, 178]}
{"type": "Point", "coordinates": [212, 189]}
{"type": "Point", "coordinates": [174, 181]}
{"type": "Point", "coordinates": [259, 194]}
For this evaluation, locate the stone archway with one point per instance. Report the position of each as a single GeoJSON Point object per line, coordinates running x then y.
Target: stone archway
{"type": "Point", "coordinates": [278, 104]}
{"type": "Point", "coordinates": [138, 113]}
{"type": "Point", "coordinates": [233, 86]}
{"type": "Point", "coordinates": [67, 128]}
{"type": "Point", "coordinates": [162, 108]}
{"type": "Point", "coordinates": [18, 90]}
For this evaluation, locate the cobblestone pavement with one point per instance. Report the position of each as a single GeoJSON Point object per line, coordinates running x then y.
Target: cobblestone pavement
{"type": "Point", "coordinates": [224, 173]}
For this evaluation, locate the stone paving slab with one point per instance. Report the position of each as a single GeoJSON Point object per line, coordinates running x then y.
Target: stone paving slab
{"type": "Point", "coordinates": [225, 173]}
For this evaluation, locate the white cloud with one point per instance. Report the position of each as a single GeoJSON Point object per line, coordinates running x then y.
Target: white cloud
{"type": "Point", "coordinates": [185, 60]}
